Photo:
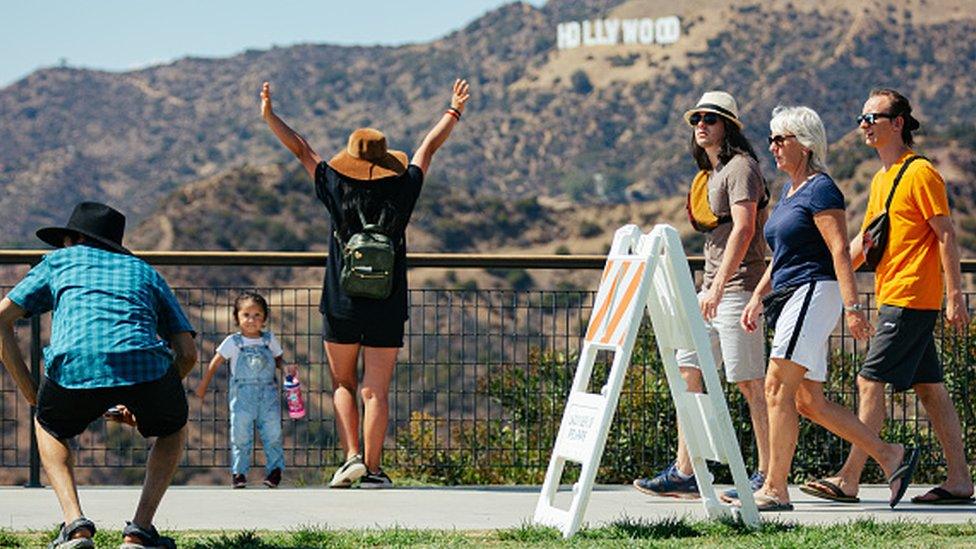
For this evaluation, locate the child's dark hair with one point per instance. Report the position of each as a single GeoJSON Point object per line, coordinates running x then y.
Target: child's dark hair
{"type": "Point", "coordinates": [250, 296]}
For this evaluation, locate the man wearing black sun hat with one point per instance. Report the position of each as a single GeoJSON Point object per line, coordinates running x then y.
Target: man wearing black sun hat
{"type": "Point", "coordinates": [118, 336]}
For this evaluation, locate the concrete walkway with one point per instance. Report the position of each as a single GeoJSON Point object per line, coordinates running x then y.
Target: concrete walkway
{"type": "Point", "coordinates": [463, 508]}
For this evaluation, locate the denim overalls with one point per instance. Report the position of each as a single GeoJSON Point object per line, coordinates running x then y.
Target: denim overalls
{"type": "Point", "coordinates": [254, 399]}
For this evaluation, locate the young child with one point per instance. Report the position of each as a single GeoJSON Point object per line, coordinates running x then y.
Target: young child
{"type": "Point", "coordinates": [253, 353]}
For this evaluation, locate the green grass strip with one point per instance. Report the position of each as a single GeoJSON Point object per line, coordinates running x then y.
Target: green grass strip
{"type": "Point", "coordinates": [669, 532]}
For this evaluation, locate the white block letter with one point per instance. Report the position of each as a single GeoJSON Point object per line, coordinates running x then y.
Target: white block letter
{"type": "Point", "coordinates": [667, 29]}
{"type": "Point", "coordinates": [569, 35]}
{"type": "Point", "coordinates": [646, 31]}
{"type": "Point", "coordinates": [630, 31]}
{"type": "Point", "coordinates": [588, 38]}
{"type": "Point", "coordinates": [612, 28]}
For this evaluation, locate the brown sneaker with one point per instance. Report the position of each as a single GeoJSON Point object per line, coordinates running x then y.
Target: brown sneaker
{"type": "Point", "coordinates": [273, 479]}
{"type": "Point", "coordinates": [238, 481]}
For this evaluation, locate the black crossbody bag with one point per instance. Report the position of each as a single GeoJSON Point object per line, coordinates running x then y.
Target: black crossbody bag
{"type": "Point", "coordinates": [877, 229]}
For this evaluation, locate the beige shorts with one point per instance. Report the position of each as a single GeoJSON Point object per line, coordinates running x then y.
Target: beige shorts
{"type": "Point", "coordinates": [743, 353]}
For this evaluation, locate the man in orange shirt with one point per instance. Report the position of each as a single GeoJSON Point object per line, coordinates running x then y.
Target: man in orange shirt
{"type": "Point", "coordinates": [921, 250]}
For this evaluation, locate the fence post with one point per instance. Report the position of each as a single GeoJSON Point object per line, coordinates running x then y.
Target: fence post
{"type": "Point", "coordinates": [34, 480]}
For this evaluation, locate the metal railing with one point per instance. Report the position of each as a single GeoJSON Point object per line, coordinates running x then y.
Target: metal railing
{"type": "Point", "coordinates": [478, 390]}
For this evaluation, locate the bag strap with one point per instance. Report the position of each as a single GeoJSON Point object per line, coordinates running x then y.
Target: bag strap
{"type": "Point", "coordinates": [362, 217]}
{"type": "Point", "coordinates": [901, 172]}
{"type": "Point", "coordinates": [363, 221]}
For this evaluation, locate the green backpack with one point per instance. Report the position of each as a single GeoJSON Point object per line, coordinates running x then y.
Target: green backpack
{"type": "Point", "coordinates": [367, 261]}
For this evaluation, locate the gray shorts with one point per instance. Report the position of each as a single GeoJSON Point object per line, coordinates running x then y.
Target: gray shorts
{"type": "Point", "coordinates": [742, 353]}
{"type": "Point", "coordinates": [902, 351]}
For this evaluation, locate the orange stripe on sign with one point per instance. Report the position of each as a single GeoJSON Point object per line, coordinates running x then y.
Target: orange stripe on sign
{"type": "Point", "coordinates": [606, 270]}
{"type": "Point", "coordinates": [624, 303]}
{"type": "Point", "coordinates": [597, 319]}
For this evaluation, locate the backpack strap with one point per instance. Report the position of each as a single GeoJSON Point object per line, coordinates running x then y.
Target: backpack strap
{"type": "Point", "coordinates": [901, 172]}
{"type": "Point", "coordinates": [764, 201]}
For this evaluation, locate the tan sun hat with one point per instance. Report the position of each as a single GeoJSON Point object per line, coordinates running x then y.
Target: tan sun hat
{"type": "Point", "coordinates": [718, 102]}
{"type": "Point", "coordinates": [366, 157]}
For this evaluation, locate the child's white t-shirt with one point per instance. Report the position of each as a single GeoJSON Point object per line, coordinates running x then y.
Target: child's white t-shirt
{"type": "Point", "coordinates": [229, 350]}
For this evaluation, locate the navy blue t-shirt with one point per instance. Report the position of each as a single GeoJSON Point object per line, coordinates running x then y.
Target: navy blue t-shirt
{"type": "Point", "coordinates": [399, 192]}
{"type": "Point", "coordinates": [800, 253]}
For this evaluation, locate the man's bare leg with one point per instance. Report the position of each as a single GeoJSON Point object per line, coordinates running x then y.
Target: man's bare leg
{"type": "Point", "coordinates": [945, 422]}
{"type": "Point", "coordinates": [754, 392]}
{"type": "Point", "coordinates": [160, 468]}
{"type": "Point", "coordinates": [59, 465]}
{"type": "Point", "coordinates": [693, 379]}
{"type": "Point", "coordinates": [871, 412]}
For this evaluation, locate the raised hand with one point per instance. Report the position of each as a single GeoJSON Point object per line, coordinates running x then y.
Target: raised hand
{"type": "Point", "coordinates": [460, 94]}
{"type": "Point", "coordinates": [266, 110]}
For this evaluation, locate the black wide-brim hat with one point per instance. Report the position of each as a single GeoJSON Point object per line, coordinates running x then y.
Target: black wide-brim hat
{"type": "Point", "coordinates": [97, 222]}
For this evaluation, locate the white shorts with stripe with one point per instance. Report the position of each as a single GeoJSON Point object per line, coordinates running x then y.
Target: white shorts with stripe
{"type": "Point", "coordinates": [804, 327]}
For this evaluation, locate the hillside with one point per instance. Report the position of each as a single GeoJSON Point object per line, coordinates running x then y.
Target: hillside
{"type": "Point", "coordinates": [588, 127]}
{"type": "Point", "coordinates": [273, 207]}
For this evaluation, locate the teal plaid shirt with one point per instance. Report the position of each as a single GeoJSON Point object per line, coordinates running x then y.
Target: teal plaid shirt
{"type": "Point", "coordinates": [112, 317]}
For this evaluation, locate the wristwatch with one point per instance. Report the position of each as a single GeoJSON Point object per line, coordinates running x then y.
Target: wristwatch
{"type": "Point", "coordinates": [855, 308]}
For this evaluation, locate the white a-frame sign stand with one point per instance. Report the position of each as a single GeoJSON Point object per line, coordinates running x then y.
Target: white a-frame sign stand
{"type": "Point", "coordinates": [644, 272]}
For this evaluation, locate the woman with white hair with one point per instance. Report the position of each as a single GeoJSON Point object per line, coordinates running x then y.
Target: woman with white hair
{"type": "Point", "coordinates": [807, 286]}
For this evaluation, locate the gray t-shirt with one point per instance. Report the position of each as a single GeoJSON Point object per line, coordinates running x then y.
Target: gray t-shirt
{"type": "Point", "coordinates": [738, 181]}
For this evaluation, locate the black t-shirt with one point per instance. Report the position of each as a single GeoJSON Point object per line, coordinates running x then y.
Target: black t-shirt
{"type": "Point", "coordinates": [401, 193]}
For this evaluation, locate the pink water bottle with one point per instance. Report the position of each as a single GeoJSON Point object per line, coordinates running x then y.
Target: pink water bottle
{"type": "Point", "coordinates": [293, 396]}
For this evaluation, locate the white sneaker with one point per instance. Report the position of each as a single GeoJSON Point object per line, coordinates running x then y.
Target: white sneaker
{"type": "Point", "coordinates": [350, 472]}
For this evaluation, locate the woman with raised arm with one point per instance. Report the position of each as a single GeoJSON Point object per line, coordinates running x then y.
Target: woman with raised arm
{"type": "Point", "coordinates": [370, 193]}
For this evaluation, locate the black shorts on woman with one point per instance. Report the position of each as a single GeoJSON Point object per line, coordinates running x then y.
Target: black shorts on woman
{"type": "Point", "coordinates": [346, 319]}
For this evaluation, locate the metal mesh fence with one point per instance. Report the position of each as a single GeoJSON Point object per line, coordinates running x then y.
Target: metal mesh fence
{"type": "Point", "coordinates": [476, 397]}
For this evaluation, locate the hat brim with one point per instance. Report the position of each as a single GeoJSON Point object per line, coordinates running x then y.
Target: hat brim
{"type": "Point", "coordinates": [393, 164]}
{"type": "Point", "coordinates": [690, 112]}
{"type": "Point", "coordinates": [55, 237]}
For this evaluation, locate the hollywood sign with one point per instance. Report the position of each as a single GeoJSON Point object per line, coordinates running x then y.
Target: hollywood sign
{"type": "Point", "coordinates": [610, 32]}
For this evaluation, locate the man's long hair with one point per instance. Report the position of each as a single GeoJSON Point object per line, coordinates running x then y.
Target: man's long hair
{"type": "Point", "coordinates": [733, 144]}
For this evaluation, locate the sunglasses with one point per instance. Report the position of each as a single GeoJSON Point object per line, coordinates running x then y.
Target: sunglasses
{"type": "Point", "coordinates": [778, 140]}
{"type": "Point", "coordinates": [709, 118]}
{"type": "Point", "coordinates": [872, 117]}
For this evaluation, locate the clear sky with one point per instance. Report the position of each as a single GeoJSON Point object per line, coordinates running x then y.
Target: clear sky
{"type": "Point", "coordinates": [129, 34]}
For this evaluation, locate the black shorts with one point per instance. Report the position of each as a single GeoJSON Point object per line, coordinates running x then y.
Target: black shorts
{"type": "Point", "coordinates": [377, 332]}
{"type": "Point", "coordinates": [902, 351]}
{"type": "Point", "coordinates": [159, 406]}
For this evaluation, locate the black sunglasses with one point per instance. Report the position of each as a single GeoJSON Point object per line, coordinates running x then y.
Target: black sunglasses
{"type": "Point", "coordinates": [779, 139]}
{"type": "Point", "coordinates": [872, 117]}
{"type": "Point", "coordinates": [709, 118]}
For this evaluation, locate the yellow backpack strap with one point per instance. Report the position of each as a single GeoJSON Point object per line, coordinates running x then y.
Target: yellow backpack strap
{"type": "Point", "coordinates": [700, 213]}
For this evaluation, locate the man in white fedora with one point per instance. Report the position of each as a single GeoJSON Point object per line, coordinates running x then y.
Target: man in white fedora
{"type": "Point", "coordinates": [727, 203]}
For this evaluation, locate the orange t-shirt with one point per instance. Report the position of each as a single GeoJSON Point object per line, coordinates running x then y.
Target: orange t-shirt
{"type": "Point", "coordinates": [910, 272]}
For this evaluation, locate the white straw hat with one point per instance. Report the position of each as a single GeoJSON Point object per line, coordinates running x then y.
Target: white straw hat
{"type": "Point", "coordinates": [718, 102]}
